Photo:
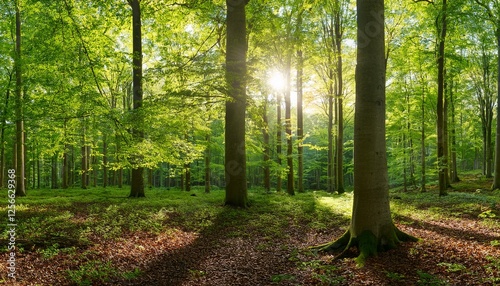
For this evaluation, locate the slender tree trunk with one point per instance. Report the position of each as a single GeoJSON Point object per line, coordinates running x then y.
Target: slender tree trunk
{"type": "Point", "coordinates": [496, 179]}
{"type": "Point", "coordinates": [278, 141]}
{"type": "Point", "coordinates": [20, 148]}
{"type": "Point", "coordinates": [422, 145]}
{"type": "Point", "coordinates": [454, 169]}
{"type": "Point", "coordinates": [207, 164]}
{"type": "Point", "coordinates": [288, 129]}
{"type": "Point", "coordinates": [339, 176]}
{"type": "Point", "coordinates": [65, 167]}
{"type": "Point", "coordinates": [84, 165]}
{"type": "Point", "coordinates": [104, 162]}
{"type": "Point", "coordinates": [187, 177]}
{"type": "Point", "coordinates": [267, 151]}
{"type": "Point", "coordinates": [331, 151]}
{"type": "Point", "coordinates": [440, 103]}
{"type": "Point", "coordinates": [446, 140]}
{"type": "Point", "coordinates": [300, 122]}
{"type": "Point", "coordinates": [53, 172]}
{"type": "Point", "coordinates": [137, 180]}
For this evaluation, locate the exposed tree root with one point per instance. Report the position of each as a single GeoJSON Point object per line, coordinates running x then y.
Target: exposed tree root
{"type": "Point", "coordinates": [366, 242]}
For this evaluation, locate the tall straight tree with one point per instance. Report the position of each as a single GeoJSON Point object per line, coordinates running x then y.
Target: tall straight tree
{"type": "Point", "coordinates": [441, 155]}
{"type": "Point", "coordinates": [235, 154]}
{"type": "Point", "coordinates": [492, 9]}
{"type": "Point", "coordinates": [372, 228]}
{"type": "Point", "coordinates": [20, 148]}
{"type": "Point", "coordinates": [137, 179]}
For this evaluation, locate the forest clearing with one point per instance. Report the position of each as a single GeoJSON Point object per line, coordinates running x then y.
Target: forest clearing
{"type": "Point", "coordinates": [173, 237]}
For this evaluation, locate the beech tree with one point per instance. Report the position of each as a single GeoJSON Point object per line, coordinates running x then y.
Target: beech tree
{"type": "Point", "coordinates": [235, 154]}
{"type": "Point", "coordinates": [137, 183]}
{"type": "Point", "coordinates": [492, 10]}
{"type": "Point", "coordinates": [372, 228]}
{"type": "Point", "coordinates": [20, 145]}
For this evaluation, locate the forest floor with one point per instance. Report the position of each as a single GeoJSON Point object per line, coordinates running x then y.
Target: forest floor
{"type": "Point", "coordinates": [100, 237]}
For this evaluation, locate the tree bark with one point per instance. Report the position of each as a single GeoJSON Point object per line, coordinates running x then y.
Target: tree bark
{"type": "Point", "coordinates": [339, 176]}
{"type": "Point", "coordinates": [441, 156]}
{"type": "Point", "coordinates": [137, 179]}
{"type": "Point", "coordinates": [235, 151]}
{"type": "Point", "coordinates": [20, 148]}
{"type": "Point", "coordinates": [207, 164]}
{"type": "Point", "coordinates": [288, 129]}
{"type": "Point", "coordinates": [331, 151]}
{"type": "Point", "coordinates": [300, 121]}
{"type": "Point", "coordinates": [278, 141]}
{"type": "Point", "coordinates": [372, 228]}
{"type": "Point", "coordinates": [267, 151]}
{"type": "Point", "coordinates": [496, 178]}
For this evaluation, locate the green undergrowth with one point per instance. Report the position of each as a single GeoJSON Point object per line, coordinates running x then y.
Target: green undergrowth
{"type": "Point", "coordinates": [55, 223]}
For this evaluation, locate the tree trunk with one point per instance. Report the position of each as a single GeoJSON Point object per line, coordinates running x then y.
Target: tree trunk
{"type": "Point", "coordinates": [235, 154]}
{"type": "Point", "coordinates": [446, 162]}
{"type": "Point", "coordinates": [53, 172]}
{"type": "Point", "coordinates": [288, 129]}
{"type": "Point", "coordinates": [422, 144]}
{"type": "Point", "coordinates": [187, 177]}
{"type": "Point", "coordinates": [372, 228]}
{"type": "Point", "coordinates": [207, 165]}
{"type": "Point", "coordinates": [496, 179]}
{"type": "Point", "coordinates": [331, 161]}
{"type": "Point", "coordinates": [454, 169]}
{"type": "Point", "coordinates": [84, 166]}
{"type": "Point", "coordinates": [300, 122]}
{"type": "Point", "coordinates": [137, 180]}
{"type": "Point", "coordinates": [104, 162]}
{"type": "Point", "coordinates": [267, 151]}
{"type": "Point", "coordinates": [339, 176]}
{"type": "Point", "coordinates": [20, 148]}
{"type": "Point", "coordinates": [2, 131]}
{"type": "Point", "coordinates": [440, 104]}
{"type": "Point", "coordinates": [278, 141]}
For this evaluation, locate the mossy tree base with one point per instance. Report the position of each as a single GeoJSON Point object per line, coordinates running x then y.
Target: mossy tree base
{"type": "Point", "coordinates": [366, 242]}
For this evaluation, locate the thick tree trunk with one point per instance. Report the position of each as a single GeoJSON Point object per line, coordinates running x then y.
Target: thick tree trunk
{"type": "Point", "coordinates": [2, 131]}
{"type": "Point", "coordinates": [496, 179]}
{"type": "Point", "coordinates": [20, 148]}
{"type": "Point", "coordinates": [371, 229]}
{"type": "Point", "coordinates": [137, 180]}
{"type": "Point", "coordinates": [235, 151]}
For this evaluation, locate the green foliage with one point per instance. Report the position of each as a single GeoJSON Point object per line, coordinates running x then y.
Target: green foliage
{"type": "Point", "coordinates": [92, 272]}
{"type": "Point", "coordinates": [428, 279]}
{"type": "Point", "coordinates": [493, 269]}
{"type": "Point", "coordinates": [453, 267]}
{"type": "Point", "coordinates": [394, 276]}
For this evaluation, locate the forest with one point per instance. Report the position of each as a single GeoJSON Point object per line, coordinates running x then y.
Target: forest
{"type": "Point", "coordinates": [250, 142]}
